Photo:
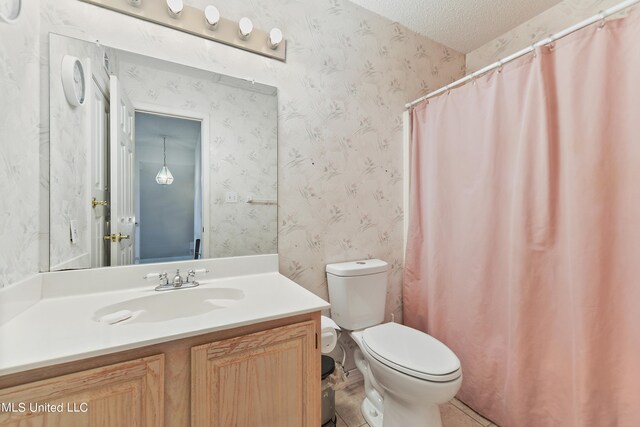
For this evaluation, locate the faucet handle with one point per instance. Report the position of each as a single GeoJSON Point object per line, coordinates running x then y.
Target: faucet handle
{"type": "Point", "coordinates": [155, 276]}
{"type": "Point", "coordinates": [192, 273]}
{"type": "Point", "coordinates": [164, 280]}
{"type": "Point", "coordinates": [161, 276]}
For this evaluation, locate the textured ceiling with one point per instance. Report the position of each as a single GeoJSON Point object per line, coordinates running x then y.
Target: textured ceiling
{"type": "Point", "coordinates": [463, 25]}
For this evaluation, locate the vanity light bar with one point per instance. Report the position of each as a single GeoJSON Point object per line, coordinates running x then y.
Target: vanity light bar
{"type": "Point", "coordinates": [206, 23]}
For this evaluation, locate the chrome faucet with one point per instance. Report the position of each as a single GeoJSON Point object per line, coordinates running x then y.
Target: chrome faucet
{"type": "Point", "coordinates": [178, 282]}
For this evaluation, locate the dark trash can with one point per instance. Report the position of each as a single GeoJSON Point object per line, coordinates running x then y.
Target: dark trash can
{"type": "Point", "coordinates": [328, 394]}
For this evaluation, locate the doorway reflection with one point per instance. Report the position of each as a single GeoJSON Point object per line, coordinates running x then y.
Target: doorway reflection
{"type": "Point", "coordinates": [169, 217]}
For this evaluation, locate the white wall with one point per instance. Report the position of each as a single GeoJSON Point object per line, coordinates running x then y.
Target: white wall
{"type": "Point", "coordinates": [19, 146]}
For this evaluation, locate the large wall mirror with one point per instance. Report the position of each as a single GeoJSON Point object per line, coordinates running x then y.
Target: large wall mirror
{"type": "Point", "coordinates": [152, 161]}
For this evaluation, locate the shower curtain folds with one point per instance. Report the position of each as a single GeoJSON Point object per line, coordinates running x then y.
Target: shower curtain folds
{"type": "Point", "coordinates": [523, 254]}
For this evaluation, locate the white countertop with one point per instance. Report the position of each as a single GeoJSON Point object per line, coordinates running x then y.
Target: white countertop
{"type": "Point", "coordinates": [58, 329]}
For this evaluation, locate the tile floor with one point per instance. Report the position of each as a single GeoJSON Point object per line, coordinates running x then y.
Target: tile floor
{"type": "Point", "coordinates": [454, 414]}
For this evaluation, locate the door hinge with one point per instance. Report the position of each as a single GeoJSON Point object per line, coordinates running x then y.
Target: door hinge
{"type": "Point", "coordinates": [316, 340]}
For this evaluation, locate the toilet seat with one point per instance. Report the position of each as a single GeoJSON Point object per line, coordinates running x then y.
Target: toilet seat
{"type": "Point", "coordinates": [411, 352]}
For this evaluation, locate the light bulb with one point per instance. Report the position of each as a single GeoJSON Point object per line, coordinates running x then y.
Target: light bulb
{"type": "Point", "coordinates": [245, 27]}
{"type": "Point", "coordinates": [212, 16]}
{"type": "Point", "coordinates": [175, 7]}
{"type": "Point", "coordinates": [275, 38]}
{"type": "Point", "coordinates": [164, 176]}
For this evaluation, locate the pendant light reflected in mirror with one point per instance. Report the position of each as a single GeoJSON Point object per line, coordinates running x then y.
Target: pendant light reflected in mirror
{"type": "Point", "coordinates": [164, 176]}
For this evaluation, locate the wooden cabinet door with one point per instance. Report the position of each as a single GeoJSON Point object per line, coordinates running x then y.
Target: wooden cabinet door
{"type": "Point", "coordinates": [125, 394]}
{"type": "Point", "coordinates": [266, 379]}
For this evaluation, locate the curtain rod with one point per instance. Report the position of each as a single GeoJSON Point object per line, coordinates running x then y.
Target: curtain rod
{"type": "Point", "coordinates": [599, 17]}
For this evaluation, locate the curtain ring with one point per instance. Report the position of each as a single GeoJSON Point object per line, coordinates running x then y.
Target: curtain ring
{"type": "Point", "coordinates": [533, 50]}
{"type": "Point", "coordinates": [551, 46]}
{"type": "Point", "coordinates": [603, 20]}
{"type": "Point", "coordinates": [500, 67]}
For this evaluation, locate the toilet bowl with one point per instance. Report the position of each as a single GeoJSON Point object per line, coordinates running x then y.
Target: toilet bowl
{"type": "Point", "coordinates": [412, 378]}
{"type": "Point", "coordinates": [407, 373]}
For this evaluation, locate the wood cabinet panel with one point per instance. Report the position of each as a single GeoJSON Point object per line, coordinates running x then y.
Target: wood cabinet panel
{"type": "Point", "coordinates": [268, 379]}
{"type": "Point", "coordinates": [118, 385]}
{"type": "Point", "coordinates": [125, 394]}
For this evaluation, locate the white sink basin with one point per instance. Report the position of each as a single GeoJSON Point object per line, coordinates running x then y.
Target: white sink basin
{"type": "Point", "coordinates": [169, 305]}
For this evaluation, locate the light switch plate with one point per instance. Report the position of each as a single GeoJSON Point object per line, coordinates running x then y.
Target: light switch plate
{"type": "Point", "coordinates": [74, 231]}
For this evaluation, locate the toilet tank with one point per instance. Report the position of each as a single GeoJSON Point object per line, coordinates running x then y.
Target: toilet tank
{"type": "Point", "coordinates": [357, 293]}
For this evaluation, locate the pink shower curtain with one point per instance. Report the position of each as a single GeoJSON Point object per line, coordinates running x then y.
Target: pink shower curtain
{"type": "Point", "coordinates": [524, 233]}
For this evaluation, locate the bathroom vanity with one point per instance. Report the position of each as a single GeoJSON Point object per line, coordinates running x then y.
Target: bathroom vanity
{"type": "Point", "coordinates": [246, 362]}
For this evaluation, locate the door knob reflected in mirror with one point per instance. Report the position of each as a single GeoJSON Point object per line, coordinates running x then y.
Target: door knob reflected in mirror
{"type": "Point", "coordinates": [95, 202]}
{"type": "Point", "coordinates": [116, 237]}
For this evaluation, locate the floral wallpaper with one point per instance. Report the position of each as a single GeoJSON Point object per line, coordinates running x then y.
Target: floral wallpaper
{"type": "Point", "coordinates": [341, 96]}
{"type": "Point", "coordinates": [19, 147]}
{"type": "Point", "coordinates": [70, 133]}
{"type": "Point", "coordinates": [244, 159]}
{"type": "Point", "coordinates": [557, 18]}
{"type": "Point", "coordinates": [243, 147]}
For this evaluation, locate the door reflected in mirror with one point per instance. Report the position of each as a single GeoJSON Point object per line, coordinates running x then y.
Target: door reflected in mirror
{"type": "Point", "coordinates": [163, 162]}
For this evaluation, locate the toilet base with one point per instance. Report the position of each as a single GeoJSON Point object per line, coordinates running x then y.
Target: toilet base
{"type": "Point", "coordinates": [428, 416]}
{"type": "Point", "coordinates": [398, 414]}
{"type": "Point", "coordinates": [371, 415]}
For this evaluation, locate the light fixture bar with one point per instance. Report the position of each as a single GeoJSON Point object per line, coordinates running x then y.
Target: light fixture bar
{"type": "Point", "coordinates": [192, 20]}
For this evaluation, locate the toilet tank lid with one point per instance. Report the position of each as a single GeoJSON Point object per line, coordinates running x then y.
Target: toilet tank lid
{"type": "Point", "coordinates": [357, 268]}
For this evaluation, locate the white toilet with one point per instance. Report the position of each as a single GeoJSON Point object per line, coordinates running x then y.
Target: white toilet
{"type": "Point", "coordinates": [407, 373]}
